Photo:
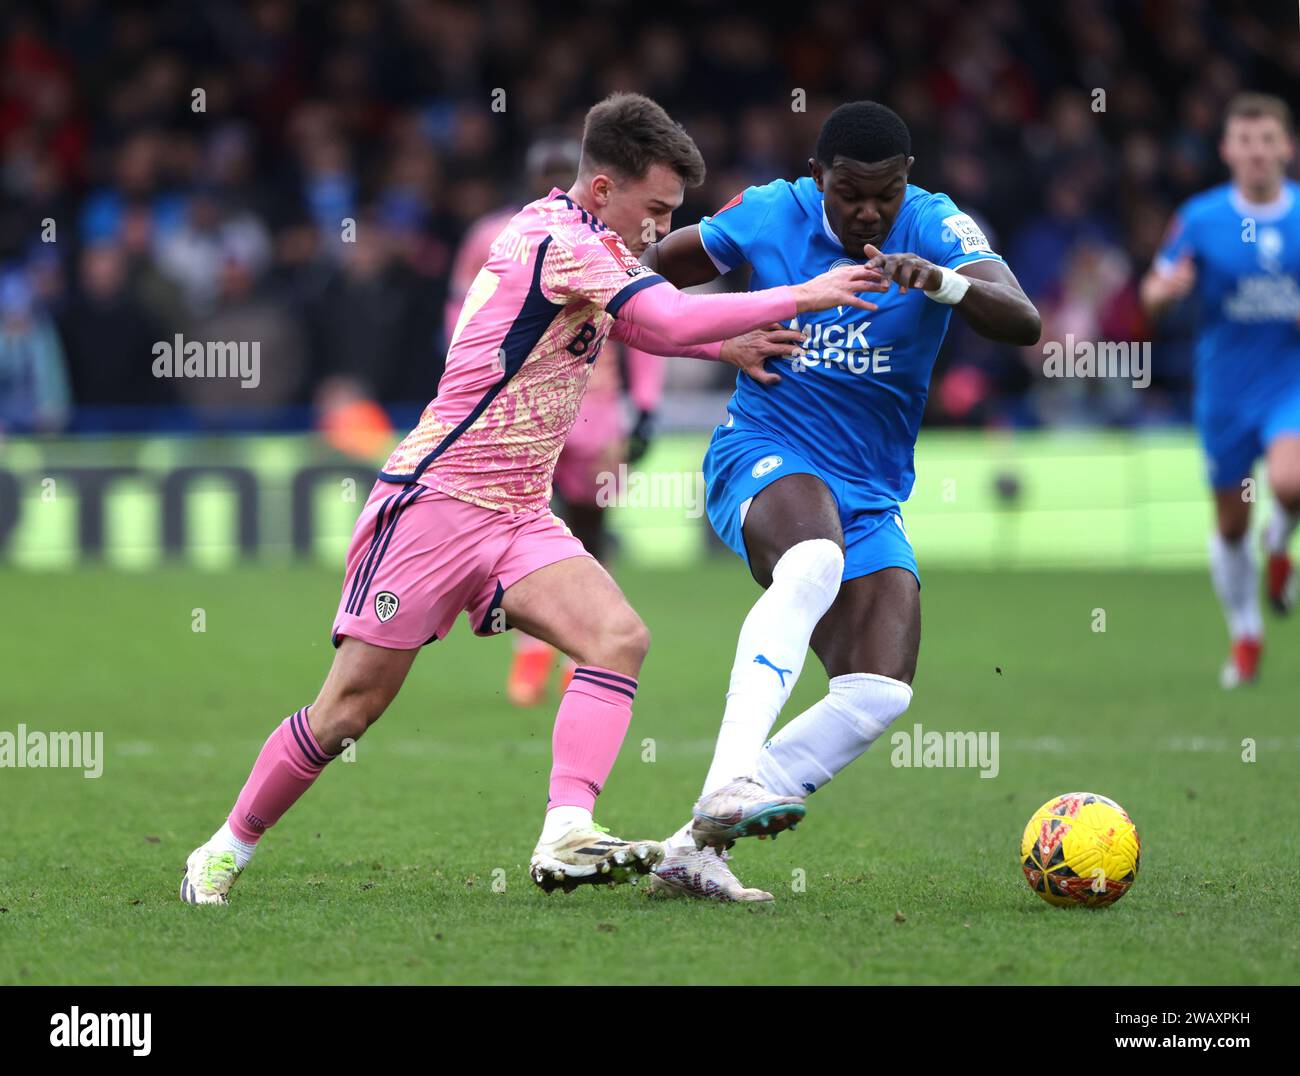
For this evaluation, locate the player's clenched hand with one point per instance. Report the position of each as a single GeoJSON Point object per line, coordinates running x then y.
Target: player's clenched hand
{"type": "Point", "coordinates": [750, 351]}
{"type": "Point", "coordinates": [839, 287]}
{"type": "Point", "coordinates": [905, 270]}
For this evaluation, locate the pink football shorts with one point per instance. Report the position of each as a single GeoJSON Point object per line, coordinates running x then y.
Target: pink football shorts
{"type": "Point", "coordinates": [419, 557]}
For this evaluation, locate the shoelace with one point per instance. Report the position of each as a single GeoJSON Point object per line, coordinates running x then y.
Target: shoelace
{"type": "Point", "coordinates": [755, 790]}
{"type": "Point", "coordinates": [219, 869]}
{"type": "Point", "coordinates": [605, 831]}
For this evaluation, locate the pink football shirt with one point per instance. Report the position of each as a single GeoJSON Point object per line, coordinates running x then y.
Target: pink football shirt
{"type": "Point", "coordinates": [473, 252]}
{"type": "Point", "coordinates": [532, 324]}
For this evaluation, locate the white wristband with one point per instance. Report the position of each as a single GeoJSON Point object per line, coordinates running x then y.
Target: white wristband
{"type": "Point", "coordinates": [951, 290]}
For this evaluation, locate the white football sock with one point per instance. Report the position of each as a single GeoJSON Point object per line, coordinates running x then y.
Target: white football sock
{"type": "Point", "coordinates": [224, 840]}
{"type": "Point", "coordinates": [681, 841]}
{"type": "Point", "coordinates": [1232, 568]}
{"type": "Point", "coordinates": [1281, 525]}
{"type": "Point", "coordinates": [826, 737]}
{"type": "Point", "coordinates": [559, 820]}
{"type": "Point", "coordinates": [770, 653]}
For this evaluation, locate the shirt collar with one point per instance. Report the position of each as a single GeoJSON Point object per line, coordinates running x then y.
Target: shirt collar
{"type": "Point", "coordinates": [826, 224]}
{"type": "Point", "coordinates": [1263, 211]}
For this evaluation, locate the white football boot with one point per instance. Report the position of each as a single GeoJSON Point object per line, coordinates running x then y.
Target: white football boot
{"type": "Point", "coordinates": [208, 876]}
{"type": "Point", "coordinates": [703, 873]}
{"type": "Point", "coordinates": [743, 808]}
{"type": "Point", "coordinates": [587, 855]}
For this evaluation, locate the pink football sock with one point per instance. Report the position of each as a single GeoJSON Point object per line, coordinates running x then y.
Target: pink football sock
{"type": "Point", "coordinates": [290, 761]}
{"type": "Point", "coordinates": [589, 729]}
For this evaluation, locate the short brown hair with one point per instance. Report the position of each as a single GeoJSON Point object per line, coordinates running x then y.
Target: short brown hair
{"type": "Point", "coordinates": [628, 132]}
{"type": "Point", "coordinates": [1253, 105]}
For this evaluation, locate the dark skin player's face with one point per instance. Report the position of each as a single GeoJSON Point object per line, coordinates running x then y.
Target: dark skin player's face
{"type": "Point", "coordinates": [861, 199]}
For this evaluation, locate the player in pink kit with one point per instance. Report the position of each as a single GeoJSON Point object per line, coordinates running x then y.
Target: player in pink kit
{"type": "Point", "coordinates": [599, 440]}
{"type": "Point", "coordinates": [460, 519]}
{"type": "Point", "coordinates": [598, 443]}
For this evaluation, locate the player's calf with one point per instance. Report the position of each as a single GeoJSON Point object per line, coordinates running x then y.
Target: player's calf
{"type": "Point", "coordinates": [1236, 582]}
{"type": "Point", "coordinates": [1281, 582]}
{"type": "Point", "coordinates": [574, 605]}
{"type": "Point", "coordinates": [770, 652]}
{"type": "Point", "coordinates": [1284, 480]}
{"type": "Point", "coordinates": [819, 743]}
{"type": "Point", "coordinates": [362, 682]}
{"type": "Point", "coordinates": [288, 764]}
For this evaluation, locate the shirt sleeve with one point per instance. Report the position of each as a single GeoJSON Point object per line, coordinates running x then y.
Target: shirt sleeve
{"type": "Point", "coordinates": [470, 258]}
{"type": "Point", "coordinates": [951, 238]}
{"type": "Point", "coordinates": [730, 234]}
{"type": "Point", "coordinates": [644, 346]}
{"type": "Point", "coordinates": [595, 266]}
{"type": "Point", "coordinates": [1177, 243]}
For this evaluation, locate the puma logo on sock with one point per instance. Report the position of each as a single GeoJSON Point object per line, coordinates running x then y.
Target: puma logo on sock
{"type": "Point", "coordinates": [761, 660]}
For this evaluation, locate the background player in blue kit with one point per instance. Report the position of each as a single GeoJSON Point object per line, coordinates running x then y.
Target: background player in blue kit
{"type": "Point", "coordinates": [806, 475]}
{"type": "Point", "coordinates": [1237, 247]}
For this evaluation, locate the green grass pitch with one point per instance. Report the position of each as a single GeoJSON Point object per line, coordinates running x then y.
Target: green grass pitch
{"type": "Point", "coordinates": [408, 865]}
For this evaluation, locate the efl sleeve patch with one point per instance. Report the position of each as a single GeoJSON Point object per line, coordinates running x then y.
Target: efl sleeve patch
{"type": "Point", "coordinates": [734, 202]}
{"type": "Point", "coordinates": [963, 228]}
{"type": "Point", "coordinates": [624, 258]}
{"type": "Point", "coordinates": [735, 233]}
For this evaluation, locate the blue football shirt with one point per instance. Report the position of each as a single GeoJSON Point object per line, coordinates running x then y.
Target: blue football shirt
{"type": "Point", "coordinates": [854, 401]}
{"type": "Point", "coordinates": [1247, 261]}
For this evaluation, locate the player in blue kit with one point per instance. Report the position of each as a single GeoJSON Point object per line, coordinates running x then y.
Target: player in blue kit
{"type": "Point", "coordinates": [806, 475]}
{"type": "Point", "coordinates": [1237, 248]}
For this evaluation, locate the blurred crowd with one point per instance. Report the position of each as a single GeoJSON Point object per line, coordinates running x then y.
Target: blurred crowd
{"type": "Point", "coordinates": [192, 167]}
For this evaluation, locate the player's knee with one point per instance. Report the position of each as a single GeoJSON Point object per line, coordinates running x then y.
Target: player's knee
{"type": "Point", "coordinates": [622, 641]}
{"type": "Point", "coordinates": [1285, 483]}
{"type": "Point", "coordinates": [870, 701]}
{"type": "Point", "coordinates": [632, 638]}
{"type": "Point", "coordinates": [817, 562]}
{"type": "Point", "coordinates": [345, 715]}
{"type": "Point", "coordinates": [1233, 528]}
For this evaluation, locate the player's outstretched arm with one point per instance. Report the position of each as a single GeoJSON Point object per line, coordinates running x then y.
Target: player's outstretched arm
{"type": "Point", "coordinates": [747, 352]}
{"type": "Point", "coordinates": [985, 293]}
{"type": "Point", "coordinates": [696, 319]}
{"type": "Point", "coordinates": [680, 258]}
{"type": "Point", "coordinates": [763, 343]}
{"type": "Point", "coordinates": [1164, 285]}
{"type": "Point", "coordinates": [996, 306]}
{"type": "Point", "coordinates": [641, 338]}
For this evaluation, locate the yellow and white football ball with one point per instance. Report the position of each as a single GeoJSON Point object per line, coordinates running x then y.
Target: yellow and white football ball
{"type": "Point", "coordinates": [1080, 848]}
